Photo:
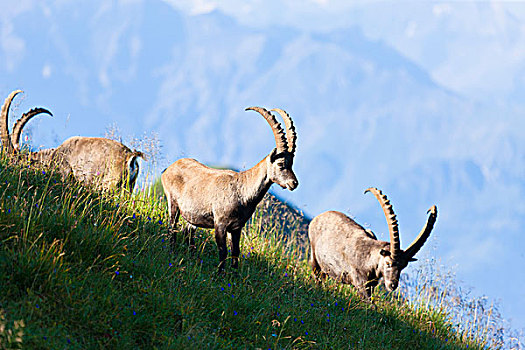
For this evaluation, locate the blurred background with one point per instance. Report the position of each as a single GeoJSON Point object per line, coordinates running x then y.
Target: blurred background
{"type": "Point", "coordinates": [424, 100]}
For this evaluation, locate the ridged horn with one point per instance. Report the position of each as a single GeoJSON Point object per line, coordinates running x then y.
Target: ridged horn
{"type": "Point", "coordinates": [395, 244]}
{"type": "Point", "coordinates": [291, 135]}
{"type": "Point", "coordinates": [278, 132]}
{"type": "Point", "coordinates": [4, 122]}
{"type": "Point", "coordinates": [423, 235]}
{"type": "Point", "coordinates": [21, 122]}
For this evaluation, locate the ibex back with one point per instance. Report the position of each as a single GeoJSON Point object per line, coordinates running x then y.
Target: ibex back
{"type": "Point", "coordinates": [102, 162]}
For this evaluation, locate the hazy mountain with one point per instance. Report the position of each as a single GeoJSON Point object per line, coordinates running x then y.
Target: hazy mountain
{"type": "Point", "coordinates": [366, 116]}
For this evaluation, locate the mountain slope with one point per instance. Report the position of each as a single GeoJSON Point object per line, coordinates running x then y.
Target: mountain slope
{"type": "Point", "coordinates": [82, 270]}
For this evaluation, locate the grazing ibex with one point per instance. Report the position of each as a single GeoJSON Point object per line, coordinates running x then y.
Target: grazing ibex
{"type": "Point", "coordinates": [344, 250]}
{"type": "Point", "coordinates": [225, 199]}
{"type": "Point", "coordinates": [105, 163]}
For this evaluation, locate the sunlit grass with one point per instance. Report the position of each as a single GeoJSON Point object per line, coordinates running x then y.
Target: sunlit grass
{"type": "Point", "coordinates": [83, 270]}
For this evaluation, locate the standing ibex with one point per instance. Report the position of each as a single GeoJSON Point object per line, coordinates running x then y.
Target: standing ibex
{"type": "Point", "coordinates": [344, 250]}
{"type": "Point", "coordinates": [92, 160]}
{"type": "Point", "coordinates": [225, 199]}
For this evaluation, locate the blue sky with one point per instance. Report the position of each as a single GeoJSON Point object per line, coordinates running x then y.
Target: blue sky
{"type": "Point", "coordinates": [422, 99]}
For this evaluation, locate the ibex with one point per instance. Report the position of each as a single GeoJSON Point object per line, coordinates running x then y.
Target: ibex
{"type": "Point", "coordinates": [102, 162]}
{"type": "Point", "coordinates": [344, 250]}
{"type": "Point", "coordinates": [225, 199]}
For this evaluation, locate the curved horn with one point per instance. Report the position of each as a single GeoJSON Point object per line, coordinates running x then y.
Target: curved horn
{"type": "Point", "coordinates": [21, 122]}
{"type": "Point", "coordinates": [4, 122]}
{"type": "Point", "coordinates": [423, 235]}
{"type": "Point", "coordinates": [291, 135]}
{"type": "Point", "coordinates": [395, 244]}
{"type": "Point", "coordinates": [278, 132]}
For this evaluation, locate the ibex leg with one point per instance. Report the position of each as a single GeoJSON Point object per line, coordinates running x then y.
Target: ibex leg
{"type": "Point", "coordinates": [174, 213]}
{"type": "Point", "coordinates": [236, 251]}
{"type": "Point", "coordinates": [220, 239]}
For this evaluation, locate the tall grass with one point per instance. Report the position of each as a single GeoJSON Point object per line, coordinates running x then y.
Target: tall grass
{"type": "Point", "coordinates": [79, 269]}
{"type": "Point", "coordinates": [432, 284]}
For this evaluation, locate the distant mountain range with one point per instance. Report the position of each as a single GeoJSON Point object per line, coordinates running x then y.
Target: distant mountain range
{"type": "Point", "coordinates": [365, 116]}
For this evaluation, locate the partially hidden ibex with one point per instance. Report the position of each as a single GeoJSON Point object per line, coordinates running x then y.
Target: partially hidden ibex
{"type": "Point", "coordinates": [225, 199]}
{"type": "Point", "coordinates": [344, 250]}
{"type": "Point", "coordinates": [102, 162]}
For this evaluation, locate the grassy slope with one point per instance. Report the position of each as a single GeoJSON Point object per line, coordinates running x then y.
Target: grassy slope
{"type": "Point", "coordinates": [78, 270]}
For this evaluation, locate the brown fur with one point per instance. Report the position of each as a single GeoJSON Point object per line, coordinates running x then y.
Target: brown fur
{"type": "Point", "coordinates": [225, 199]}
{"type": "Point", "coordinates": [101, 162]}
{"type": "Point", "coordinates": [97, 161]}
{"type": "Point", "coordinates": [344, 250]}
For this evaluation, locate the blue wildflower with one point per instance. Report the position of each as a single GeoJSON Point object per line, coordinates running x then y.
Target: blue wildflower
{"type": "Point", "coordinates": [117, 272]}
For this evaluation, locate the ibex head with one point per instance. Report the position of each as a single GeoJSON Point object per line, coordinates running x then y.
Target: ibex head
{"type": "Point", "coordinates": [11, 143]}
{"type": "Point", "coordinates": [281, 158]}
{"type": "Point", "coordinates": [393, 260]}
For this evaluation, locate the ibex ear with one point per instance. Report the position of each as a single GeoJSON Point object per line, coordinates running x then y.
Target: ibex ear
{"type": "Point", "coordinates": [412, 259]}
{"type": "Point", "coordinates": [273, 155]}
{"type": "Point", "coordinates": [384, 252]}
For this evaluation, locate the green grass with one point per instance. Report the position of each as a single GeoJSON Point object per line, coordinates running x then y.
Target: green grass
{"type": "Point", "coordinates": [82, 270]}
